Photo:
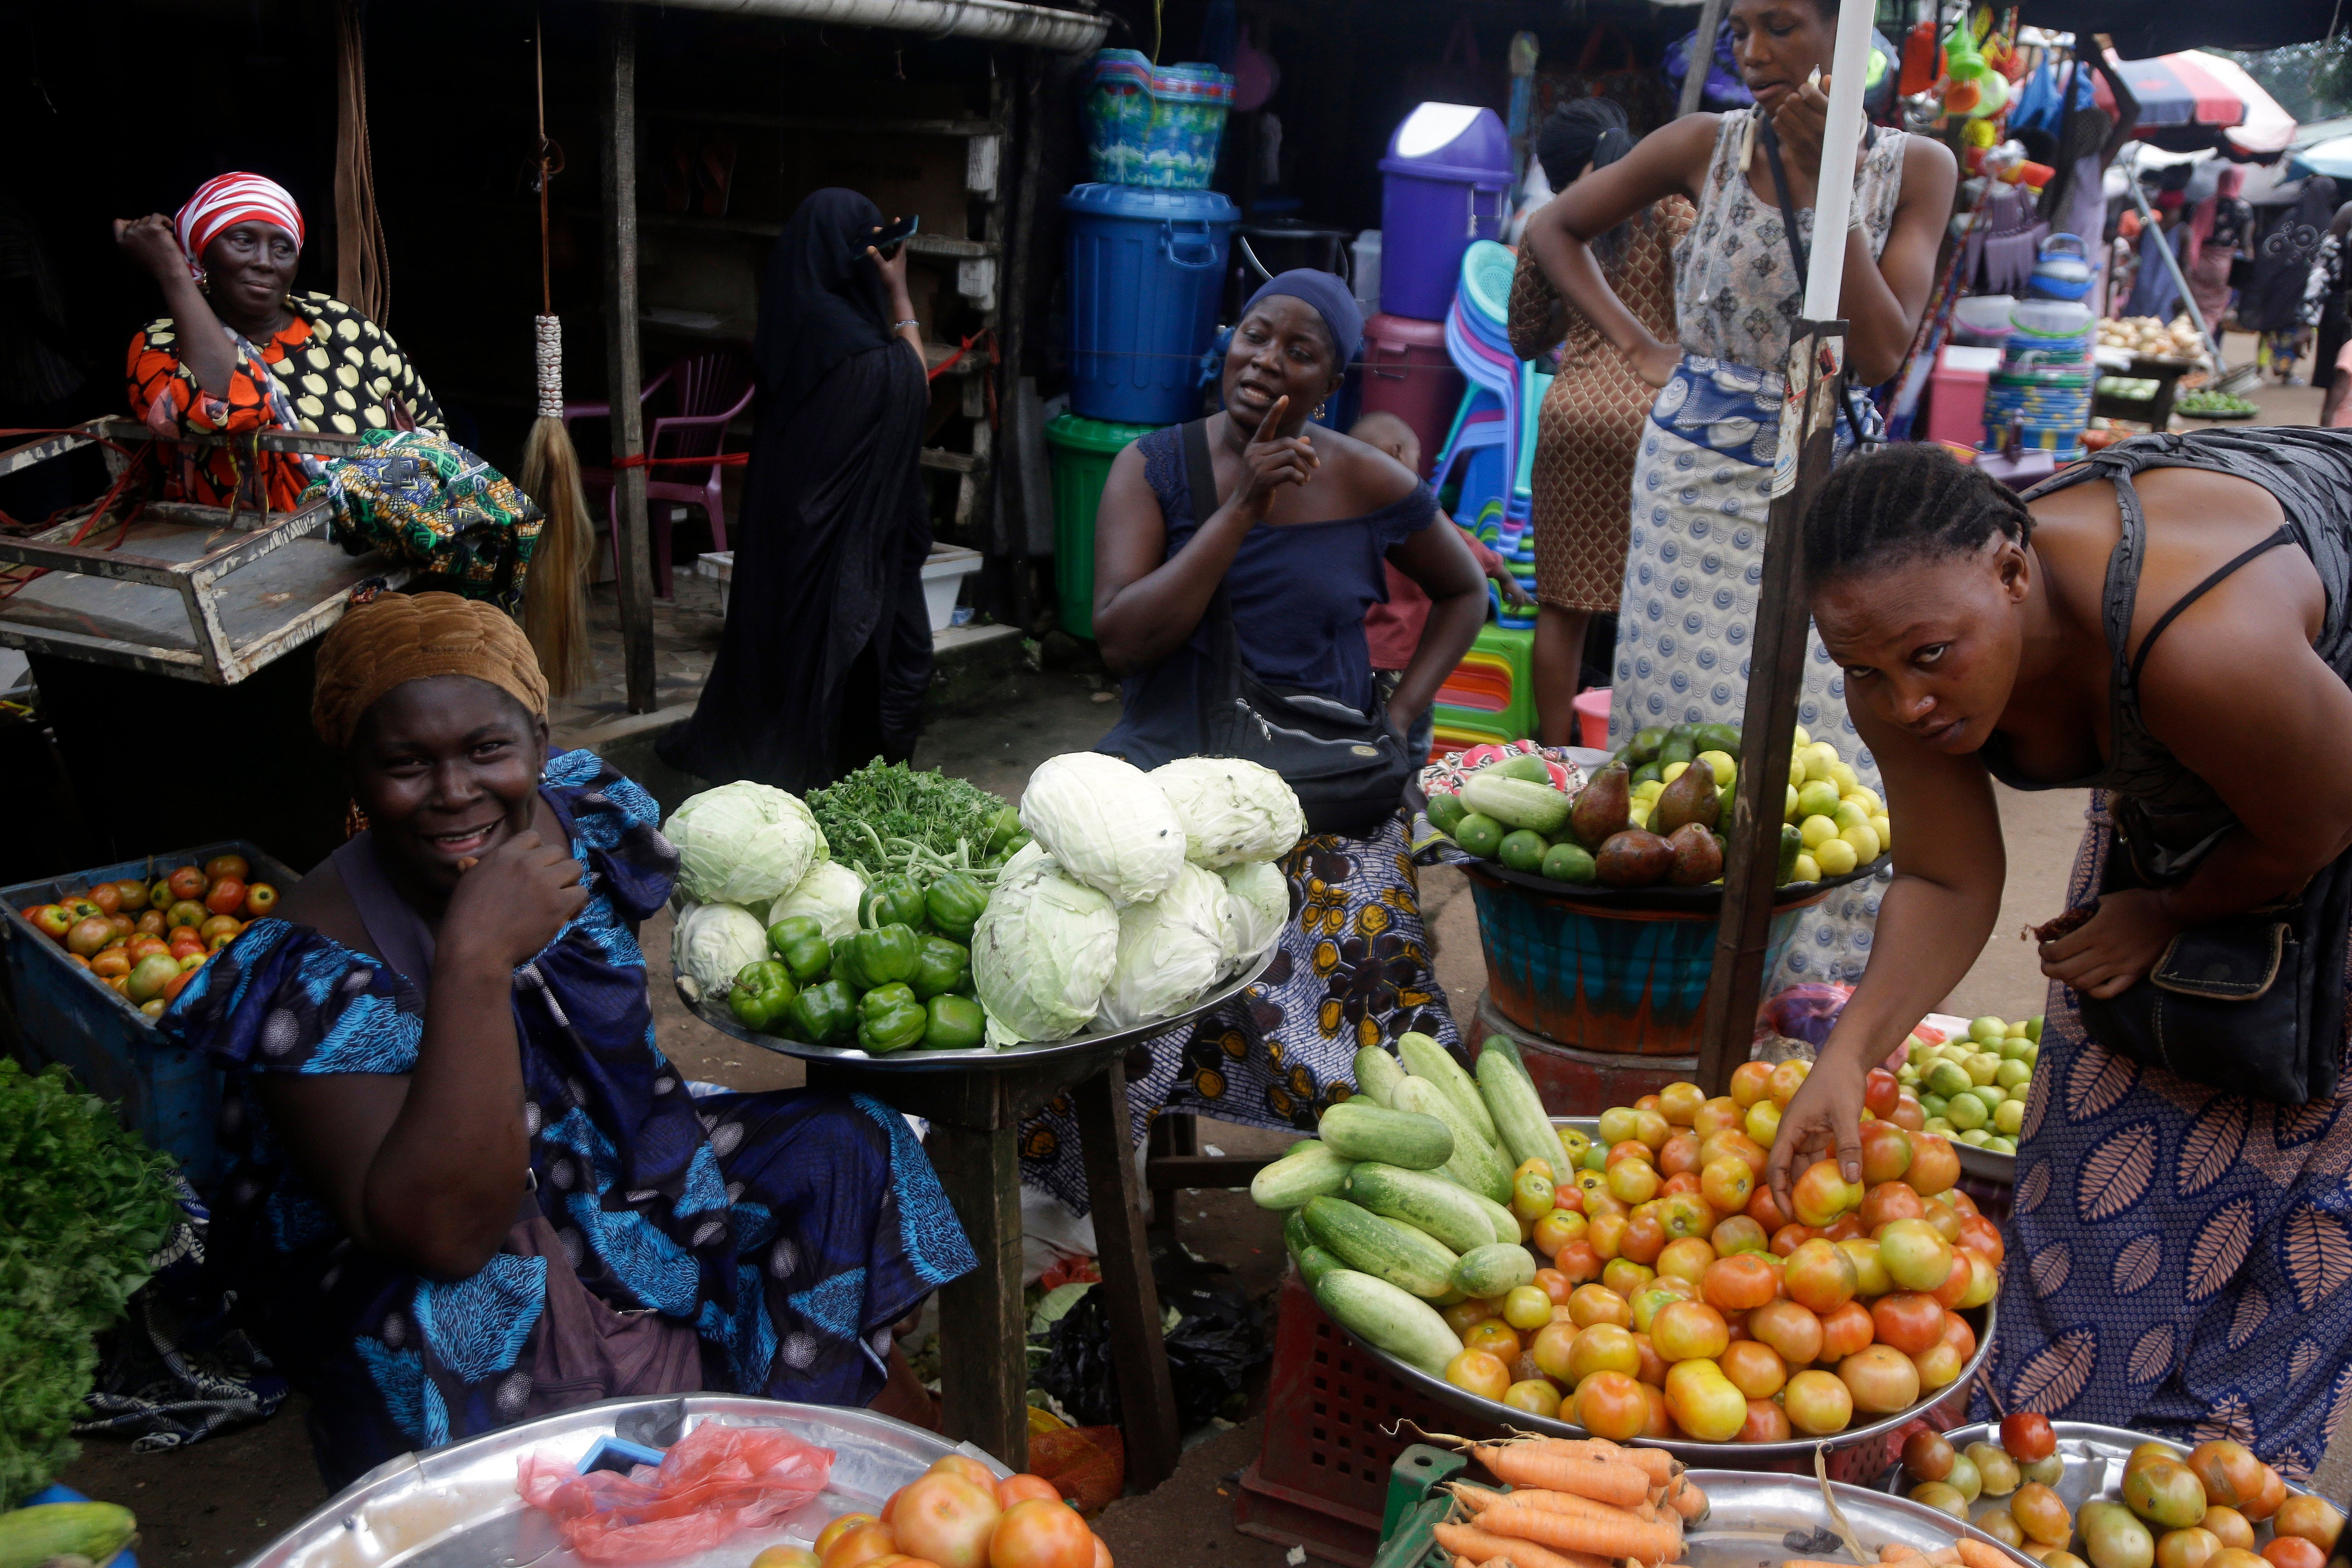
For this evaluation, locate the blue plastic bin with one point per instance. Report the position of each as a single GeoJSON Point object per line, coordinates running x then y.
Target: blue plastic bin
{"type": "Point", "coordinates": [1146, 268]}
{"type": "Point", "coordinates": [169, 1096]}
{"type": "Point", "coordinates": [1445, 182]}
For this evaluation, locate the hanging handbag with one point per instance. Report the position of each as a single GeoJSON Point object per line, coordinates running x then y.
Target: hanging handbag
{"type": "Point", "coordinates": [1348, 769]}
{"type": "Point", "coordinates": [1858, 407]}
{"type": "Point", "coordinates": [2251, 1003]}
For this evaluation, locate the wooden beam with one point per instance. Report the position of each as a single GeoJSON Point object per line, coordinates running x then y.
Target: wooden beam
{"type": "Point", "coordinates": [1769, 726]}
{"type": "Point", "coordinates": [1710, 23]}
{"type": "Point", "coordinates": [622, 379]}
{"type": "Point", "coordinates": [1174, 1172]}
{"type": "Point", "coordinates": [1147, 1399]}
{"type": "Point", "coordinates": [983, 1328]}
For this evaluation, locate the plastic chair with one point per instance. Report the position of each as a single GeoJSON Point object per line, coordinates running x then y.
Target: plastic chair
{"type": "Point", "coordinates": [709, 390]}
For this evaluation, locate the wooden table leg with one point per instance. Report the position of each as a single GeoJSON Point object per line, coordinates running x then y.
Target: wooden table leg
{"type": "Point", "coordinates": [1147, 1399]}
{"type": "Point", "coordinates": [983, 1327]}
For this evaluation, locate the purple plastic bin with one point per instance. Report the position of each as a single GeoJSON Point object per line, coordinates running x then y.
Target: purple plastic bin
{"type": "Point", "coordinates": [1447, 181]}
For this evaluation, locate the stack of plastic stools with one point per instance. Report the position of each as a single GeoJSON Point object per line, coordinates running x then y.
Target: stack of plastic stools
{"type": "Point", "coordinates": [1490, 696]}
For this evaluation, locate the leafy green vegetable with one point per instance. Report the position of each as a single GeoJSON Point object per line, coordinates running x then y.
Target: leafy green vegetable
{"type": "Point", "coordinates": [887, 817]}
{"type": "Point", "coordinates": [83, 1205]}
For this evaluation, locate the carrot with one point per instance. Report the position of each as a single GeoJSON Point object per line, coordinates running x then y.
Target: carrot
{"type": "Point", "coordinates": [1895, 1551]}
{"type": "Point", "coordinates": [1686, 1501]}
{"type": "Point", "coordinates": [1946, 1556]}
{"type": "Point", "coordinates": [1602, 1480]}
{"type": "Point", "coordinates": [1478, 1500]}
{"type": "Point", "coordinates": [1661, 1467]}
{"type": "Point", "coordinates": [1603, 1537]}
{"type": "Point", "coordinates": [1483, 1546]}
{"type": "Point", "coordinates": [1977, 1554]}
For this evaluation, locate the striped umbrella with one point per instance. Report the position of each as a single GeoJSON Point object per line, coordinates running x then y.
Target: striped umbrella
{"type": "Point", "coordinates": [2195, 89]}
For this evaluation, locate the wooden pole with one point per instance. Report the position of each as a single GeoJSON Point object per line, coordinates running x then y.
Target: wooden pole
{"type": "Point", "coordinates": [623, 380]}
{"type": "Point", "coordinates": [1702, 56]}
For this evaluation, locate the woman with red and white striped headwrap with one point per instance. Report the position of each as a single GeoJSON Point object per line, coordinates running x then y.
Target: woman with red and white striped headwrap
{"type": "Point", "coordinates": [239, 352]}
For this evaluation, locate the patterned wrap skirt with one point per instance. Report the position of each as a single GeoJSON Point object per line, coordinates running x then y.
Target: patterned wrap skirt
{"type": "Point", "coordinates": [1694, 569]}
{"type": "Point", "coordinates": [2179, 1257]}
{"type": "Point", "coordinates": [1351, 969]}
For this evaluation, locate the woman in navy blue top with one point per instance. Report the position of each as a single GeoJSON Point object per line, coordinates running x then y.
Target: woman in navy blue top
{"type": "Point", "coordinates": [1303, 518]}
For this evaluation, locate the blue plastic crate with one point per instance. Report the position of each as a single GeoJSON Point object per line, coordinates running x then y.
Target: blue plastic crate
{"type": "Point", "coordinates": [168, 1095]}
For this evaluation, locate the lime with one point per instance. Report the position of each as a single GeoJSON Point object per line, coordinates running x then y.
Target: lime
{"type": "Point", "coordinates": [2029, 1055]}
{"type": "Point", "coordinates": [1818, 798]}
{"type": "Point", "coordinates": [1570, 863]}
{"type": "Point", "coordinates": [1816, 831]}
{"type": "Point", "coordinates": [1982, 1067]}
{"type": "Point", "coordinates": [1922, 1055]}
{"type": "Point", "coordinates": [1961, 1052]}
{"type": "Point", "coordinates": [1865, 842]}
{"type": "Point", "coordinates": [1885, 831]}
{"type": "Point", "coordinates": [1807, 869]}
{"type": "Point", "coordinates": [1908, 1076]}
{"type": "Point", "coordinates": [1867, 799]}
{"type": "Point", "coordinates": [1479, 835]}
{"type": "Point", "coordinates": [2034, 1029]}
{"type": "Point", "coordinates": [1938, 1125]}
{"type": "Point", "coordinates": [2004, 1145]}
{"type": "Point", "coordinates": [1835, 857]}
{"type": "Point", "coordinates": [2017, 1030]}
{"type": "Point", "coordinates": [1976, 1137]}
{"type": "Point", "coordinates": [1674, 770]}
{"type": "Point", "coordinates": [1639, 815]}
{"type": "Point", "coordinates": [1792, 811]}
{"type": "Point", "coordinates": [1523, 850]}
{"type": "Point", "coordinates": [1948, 1078]}
{"type": "Point", "coordinates": [1987, 1030]}
{"type": "Point", "coordinates": [1725, 770]}
{"type": "Point", "coordinates": [1803, 740]}
{"type": "Point", "coordinates": [2008, 1117]}
{"type": "Point", "coordinates": [2011, 1073]}
{"type": "Point", "coordinates": [1846, 813]}
{"type": "Point", "coordinates": [1992, 1097]}
{"type": "Point", "coordinates": [1648, 789]}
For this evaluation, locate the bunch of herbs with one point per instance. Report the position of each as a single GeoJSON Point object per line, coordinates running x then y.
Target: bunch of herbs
{"type": "Point", "coordinates": [888, 818]}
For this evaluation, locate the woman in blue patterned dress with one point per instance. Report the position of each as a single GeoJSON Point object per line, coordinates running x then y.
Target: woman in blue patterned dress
{"type": "Point", "coordinates": [1703, 474]}
{"type": "Point", "coordinates": [2169, 626]}
{"type": "Point", "coordinates": [467, 1188]}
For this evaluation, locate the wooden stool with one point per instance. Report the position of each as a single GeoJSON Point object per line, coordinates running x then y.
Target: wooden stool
{"type": "Point", "coordinates": [1173, 1161]}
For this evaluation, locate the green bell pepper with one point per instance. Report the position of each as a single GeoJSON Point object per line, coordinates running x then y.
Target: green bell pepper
{"type": "Point", "coordinates": [954, 903]}
{"type": "Point", "coordinates": [825, 1014]}
{"type": "Point", "coordinates": [956, 1024]}
{"type": "Point", "coordinates": [894, 900]}
{"type": "Point", "coordinates": [1003, 829]}
{"type": "Point", "coordinates": [889, 1018]}
{"type": "Point", "coordinates": [762, 991]}
{"type": "Point", "coordinates": [800, 942]}
{"type": "Point", "coordinates": [941, 966]}
{"type": "Point", "coordinates": [878, 957]}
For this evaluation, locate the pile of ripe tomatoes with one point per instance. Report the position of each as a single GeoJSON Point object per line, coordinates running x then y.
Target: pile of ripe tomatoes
{"type": "Point", "coordinates": [148, 939]}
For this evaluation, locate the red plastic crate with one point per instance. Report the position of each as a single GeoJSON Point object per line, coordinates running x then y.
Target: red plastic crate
{"type": "Point", "coordinates": [1321, 1477]}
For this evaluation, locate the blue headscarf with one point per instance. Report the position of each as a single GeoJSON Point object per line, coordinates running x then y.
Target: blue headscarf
{"type": "Point", "coordinates": [1331, 300]}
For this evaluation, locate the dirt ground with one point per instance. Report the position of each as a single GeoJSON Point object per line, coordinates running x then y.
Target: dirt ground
{"type": "Point", "coordinates": [222, 1498]}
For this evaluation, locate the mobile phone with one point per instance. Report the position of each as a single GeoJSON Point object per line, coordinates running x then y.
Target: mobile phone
{"type": "Point", "coordinates": [891, 235]}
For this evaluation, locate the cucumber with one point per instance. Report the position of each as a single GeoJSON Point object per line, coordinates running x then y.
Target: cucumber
{"type": "Point", "coordinates": [1359, 1130]}
{"type": "Point", "coordinates": [1396, 1253]}
{"type": "Point", "coordinates": [1527, 1131]}
{"type": "Point", "coordinates": [1376, 1075]}
{"type": "Point", "coordinates": [1424, 1058]}
{"type": "Point", "coordinates": [1516, 802]}
{"type": "Point", "coordinates": [1447, 811]}
{"type": "Point", "coordinates": [1524, 765]}
{"type": "Point", "coordinates": [1491, 1270]}
{"type": "Point", "coordinates": [1294, 1234]}
{"type": "Point", "coordinates": [1428, 1202]}
{"type": "Point", "coordinates": [1475, 1165]}
{"type": "Point", "coordinates": [93, 1531]}
{"type": "Point", "coordinates": [1379, 1314]}
{"type": "Point", "coordinates": [1314, 1263]}
{"type": "Point", "coordinates": [1314, 1172]}
{"type": "Point", "coordinates": [1507, 1224]}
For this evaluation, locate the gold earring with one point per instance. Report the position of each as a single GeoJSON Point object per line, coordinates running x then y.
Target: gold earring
{"type": "Point", "coordinates": [1318, 410]}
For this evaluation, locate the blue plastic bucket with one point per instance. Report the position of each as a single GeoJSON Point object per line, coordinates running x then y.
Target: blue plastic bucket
{"type": "Point", "coordinates": [1146, 267]}
{"type": "Point", "coordinates": [1445, 182]}
{"type": "Point", "coordinates": [1155, 126]}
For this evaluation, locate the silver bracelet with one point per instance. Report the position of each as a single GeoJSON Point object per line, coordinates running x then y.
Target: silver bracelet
{"type": "Point", "coordinates": [900, 326]}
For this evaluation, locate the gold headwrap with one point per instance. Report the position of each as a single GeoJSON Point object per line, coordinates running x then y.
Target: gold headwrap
{"type": "Point", "coordinates": [409, 636]}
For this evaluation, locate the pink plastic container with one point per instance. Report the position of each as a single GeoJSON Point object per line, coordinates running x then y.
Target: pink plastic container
{"type": "Point", "coordinates": [1592, 718]}
{"type": "Point", "coordinates": [1408, 373]}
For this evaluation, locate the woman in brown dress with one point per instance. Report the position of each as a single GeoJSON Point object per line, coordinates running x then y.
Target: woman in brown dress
{"type": "Point", "coordinates": [1592, 419]}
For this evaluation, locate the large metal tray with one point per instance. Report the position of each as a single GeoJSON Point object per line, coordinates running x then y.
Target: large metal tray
{"type": "Point", "coordinates": [2093, 1457]}
{"type": "Point", "coordinates": [456, 1507]}
{"type": "Point", "coordinates": [980, 1058]}
{"type": "Point", "coordinates": [1689, 1449]}
{"type": "Point", "coordinates": [1751, 1513]}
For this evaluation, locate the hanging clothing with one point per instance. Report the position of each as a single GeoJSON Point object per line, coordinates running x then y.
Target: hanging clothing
{"type": "Point", "coordinates": [826, 653]}
{"type": "Point", "coordinates": [2272, 300]}
{"type": "Point", "coordinates": [2180, 1247]}
{"type": "Point", "coordinates": [757, 1243]}
{"type": "Point", "coordinates": [1591, 421]}
{"type": "Point", "coordinates": [1702, 494]}
{"type": "Point", "coordinates": [328, 368]}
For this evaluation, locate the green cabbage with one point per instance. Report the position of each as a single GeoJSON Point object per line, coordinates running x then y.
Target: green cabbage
{"type": "Point", "coordinates": [1105, 823]}
{"type": "Point", "coordinates": [711, 943]}
{"type": "Point", "coordinates": [743, 843]}
{"type": "Point", "coordinates": [1233, 811]}
{"type": "Point", "coordinates": [1170, 950]}
{"type": "Point", "coordinates": [1258, 899]}
{"type": "Point", "coordinates": [829, 892]}
{"type": "Point", "coordinates": [1042, 954]}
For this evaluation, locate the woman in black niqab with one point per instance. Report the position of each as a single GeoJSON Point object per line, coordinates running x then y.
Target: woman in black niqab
{"type": "Point", "coordinates": [827, 647]}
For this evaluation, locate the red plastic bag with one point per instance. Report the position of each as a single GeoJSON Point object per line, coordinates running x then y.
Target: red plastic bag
{"type": "Point", "coordinates": [1087, 1465]}
{"type": "Point", "coordinates": [716, 1482]}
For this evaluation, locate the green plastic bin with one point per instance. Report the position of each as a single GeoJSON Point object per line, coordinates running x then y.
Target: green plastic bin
{"type": "Point", "coordinates": [1082, 450]}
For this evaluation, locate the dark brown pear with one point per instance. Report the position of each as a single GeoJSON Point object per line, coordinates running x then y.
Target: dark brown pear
{"type": "Point", "coordinates": [1633, 858]}
{"type": "Point", "coordinates": [1699, 858]}
{"type": "Point", "coordinates": [1602, 807]}
{"type": "Point", "coordinates": [1690, 798]}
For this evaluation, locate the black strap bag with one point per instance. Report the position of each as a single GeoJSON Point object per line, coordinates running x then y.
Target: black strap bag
{"type": "Point", "coordinates": [1348, 769]}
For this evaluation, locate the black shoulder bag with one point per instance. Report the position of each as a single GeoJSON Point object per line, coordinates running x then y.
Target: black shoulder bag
{"type": "Point", "coordinates": [1856, 408]}
{"type": "Point", "coordinates": [1348, 769]}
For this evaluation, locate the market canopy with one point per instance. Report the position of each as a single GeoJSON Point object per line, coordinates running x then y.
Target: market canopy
{"type": "Point", "coordinates": [2141, 28]}
{"type": "Point", "coordinates": [2196, 96]}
